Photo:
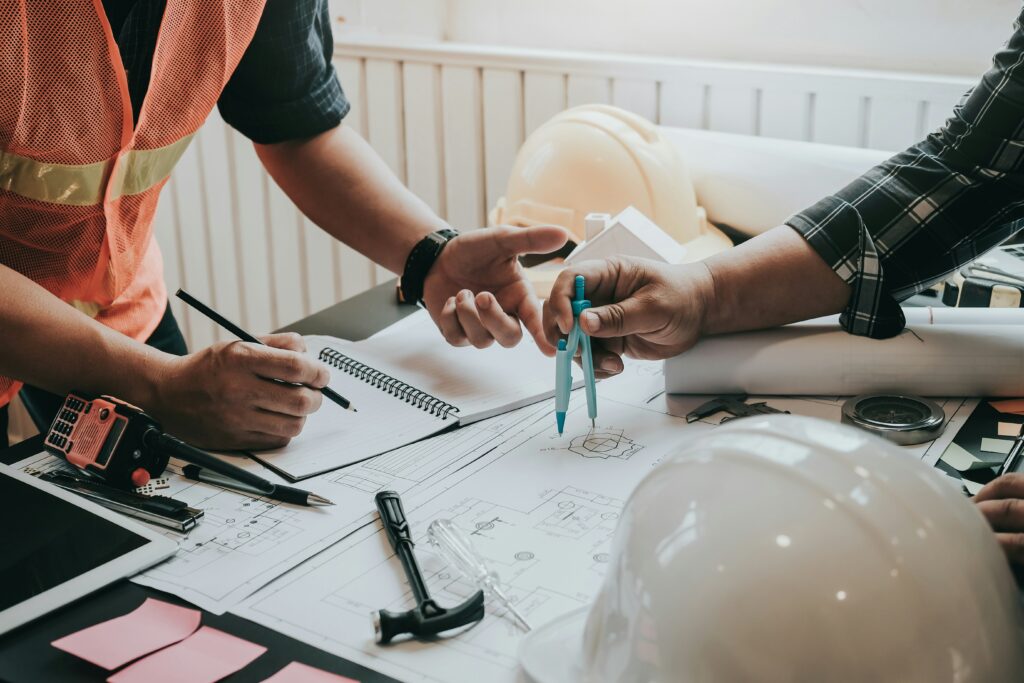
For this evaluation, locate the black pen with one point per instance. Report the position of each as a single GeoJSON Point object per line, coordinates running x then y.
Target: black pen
{"type": "Point", "coordinates": [246, 337]}
{"type": "Point", "coordinates": [285, 494]}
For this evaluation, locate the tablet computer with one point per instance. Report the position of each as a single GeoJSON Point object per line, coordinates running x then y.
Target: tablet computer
{"type": "Point", "coordinates": [56, 547]}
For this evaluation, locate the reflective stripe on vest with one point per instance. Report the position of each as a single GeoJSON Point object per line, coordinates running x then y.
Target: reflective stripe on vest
{"type": "Point", "coordinates": [136, 172]}
{"type": "Point", "coordinates": [80, 176]}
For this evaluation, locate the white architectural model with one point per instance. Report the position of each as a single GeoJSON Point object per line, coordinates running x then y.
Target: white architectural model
{"type": "Point", "coordinates": [630, 233]}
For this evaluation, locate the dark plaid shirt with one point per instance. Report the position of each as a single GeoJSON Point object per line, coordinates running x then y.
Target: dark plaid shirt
{"type": "Point", "coordinates": [911, 221]}
{"type": "Point", "coordinates": [285, 87]}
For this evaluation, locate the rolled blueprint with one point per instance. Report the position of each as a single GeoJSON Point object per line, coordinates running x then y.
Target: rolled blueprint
{"type": "Point", "coordinates": [928, 315]}
{"type": "Point", "coordinates": [820, 359]}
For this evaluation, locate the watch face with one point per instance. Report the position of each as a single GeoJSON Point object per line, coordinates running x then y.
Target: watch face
{"type": "Point", "coordinates": [893, 411]}
{"type": "Point", "coordinates": [905, 420]}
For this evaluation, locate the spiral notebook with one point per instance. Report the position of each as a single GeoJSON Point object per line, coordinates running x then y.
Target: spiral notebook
{"type": "Point", "coordinates": [407, 383]}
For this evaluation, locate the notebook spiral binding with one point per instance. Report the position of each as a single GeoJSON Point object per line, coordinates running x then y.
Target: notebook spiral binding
{"type": "Point", "coordinates": [380, 380]}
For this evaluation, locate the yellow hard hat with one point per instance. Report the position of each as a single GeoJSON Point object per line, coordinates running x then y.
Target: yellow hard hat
{"type": "Point", "coordinates": [600, 159]}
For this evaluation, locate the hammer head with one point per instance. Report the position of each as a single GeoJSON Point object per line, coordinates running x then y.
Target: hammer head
{"type": "Point", "coordinates": [427, 619]}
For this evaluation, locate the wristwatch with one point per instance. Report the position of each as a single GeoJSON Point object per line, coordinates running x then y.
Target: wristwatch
{"type": "Point", "coordinates": [419, 263]}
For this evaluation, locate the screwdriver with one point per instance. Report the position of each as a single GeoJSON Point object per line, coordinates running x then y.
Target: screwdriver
{"type": "Point", "coordinates": [458, 550]}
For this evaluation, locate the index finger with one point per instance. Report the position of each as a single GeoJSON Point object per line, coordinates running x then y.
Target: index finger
{"type": "Point", "coordinates": [1007, 486]}
{"type": "Point", "coordinates": [287, 366]}
{"type": "Point", "coordinates": [551, 329]}
{"type": "Point", "coordinates": [285, 340]}
{"type": "Point", "coordinates": [530, 315]}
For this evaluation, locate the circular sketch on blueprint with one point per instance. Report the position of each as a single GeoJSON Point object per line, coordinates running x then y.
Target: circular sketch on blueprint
{"type": "Point", "coordinates": [605, 443]}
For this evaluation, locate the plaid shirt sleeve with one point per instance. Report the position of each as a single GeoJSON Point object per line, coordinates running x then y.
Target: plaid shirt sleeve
{"type": "Point", "coordinates": [914, 219]}
{"type": "Point", "coordinates": [285, 87]}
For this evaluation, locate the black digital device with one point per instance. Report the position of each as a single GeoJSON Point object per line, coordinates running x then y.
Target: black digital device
{"type": "Point", "coordinates": [58, 547]}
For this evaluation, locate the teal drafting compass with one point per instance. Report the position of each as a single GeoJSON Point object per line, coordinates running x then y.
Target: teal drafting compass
{"type": "Point", "coordinates": [563, 363]}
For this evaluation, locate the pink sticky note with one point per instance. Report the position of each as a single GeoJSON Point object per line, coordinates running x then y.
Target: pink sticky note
{"type": "Point", "coordinates": [206, 656]}
{"type": "Point", "coordinates": [1009, 429]}
{"type": "Point", "coordinates": [1012, 406]}
{"type": "Point", "coordinates": [152, 625]}
{"type": "Point", "coordinates": [296, 672]}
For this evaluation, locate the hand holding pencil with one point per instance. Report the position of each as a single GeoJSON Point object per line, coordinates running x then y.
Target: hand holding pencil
{"type": "Point", "coordinates": [245, 336]}
{"type": "Point", "coordinates": [231, 396]}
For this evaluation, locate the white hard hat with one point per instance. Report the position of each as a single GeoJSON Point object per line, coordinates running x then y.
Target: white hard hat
{"type": "Point", "coordinates": [791, 549]}
{"type": "Point", "coordinates": [600, 159]}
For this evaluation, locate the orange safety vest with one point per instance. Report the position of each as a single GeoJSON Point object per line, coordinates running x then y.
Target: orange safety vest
{"type": "Point", "coordinates": [78, 185]}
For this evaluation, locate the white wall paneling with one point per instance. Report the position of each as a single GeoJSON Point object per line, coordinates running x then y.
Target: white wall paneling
{"type": "Point", "coordinates": [936, 36]}
{"type": "Point", "coordinates": [838, 118]}
{"type": "Point", "coordinates": [352, 74]}
{"type": "Point", "coordinates": [785, 114]}
{"type": "Point", "coordinates": [256, 278]}
{"type": "Point", "coordinates": [463, 142]}
{"type": "Point", "coordinates": [352, 272]}
{"type": "Point", "coordinates": [187, 195]}
{"type": "Point", "coordinates": [543, 96]}
{"type": "Point", "coordinates": [223, 231]}
{"type": "Point", "coordinates": [319, 267]}
{"type": "Point", "coordinates": [636, 95]}
{"type": "Point", "coordinates": [449, 118]}
{"type": "Point", "coordinates": [892, 122]}
{"type": "Point", "coordinates": [822, 104]}
{"type": "Point", "coordinates": [421, 88]}
{"type": "Point", "coordinates": [385, 126]}
{"type": "Point", "coordinates": [681, 104]}
{"type": "Point", "coordinates": [733, 109]}
{"type": "Point", "coordinates": [290, 290]}
{"type": "Point", "coordinates": [503, 128]}
{"type": "Point", "coordinates": [935, 115]}
{"type": "Point", "coordinates": [589, 89]}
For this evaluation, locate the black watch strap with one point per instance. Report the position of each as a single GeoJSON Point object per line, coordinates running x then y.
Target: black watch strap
{"type": "Point", "coordinates": [419, 262]}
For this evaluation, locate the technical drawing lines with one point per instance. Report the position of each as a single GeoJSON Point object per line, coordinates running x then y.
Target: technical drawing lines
{"type": "Point", "coordinates": [362, 480]}
{"type": "Point", "coordinates": [417, 462]}
{"type": "Point", "coordinates": [604, 443]}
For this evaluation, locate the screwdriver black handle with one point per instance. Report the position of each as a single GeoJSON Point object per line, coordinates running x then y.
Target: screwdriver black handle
{"type": "Point", "coordinates": [392, 516]}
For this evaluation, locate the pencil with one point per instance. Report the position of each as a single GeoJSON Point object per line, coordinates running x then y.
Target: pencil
{"type": "Point", "coordinates": [245, 336]}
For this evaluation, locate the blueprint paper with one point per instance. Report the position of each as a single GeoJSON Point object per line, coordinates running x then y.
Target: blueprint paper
{"type": "Point", "coordinates": [928, 315]}
{"type": "Point", "coordinates": [150, 626]}
{"type": "Point", "coordinates": [802, 360]}
{"type": "Point", "coordinates": [641, 384]}
{"type": "Point", "coordinates": [541, 508]}
{"type": "Point", "coordinates": [243, 542]}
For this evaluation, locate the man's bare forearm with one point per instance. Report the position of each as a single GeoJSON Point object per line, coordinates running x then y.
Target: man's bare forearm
{"type": "Point", "coordinates": [47, 343]}
{"type": "Point", "coordinates": [773, 279]}
{"type": "Point", "coordinates": [343, 186]}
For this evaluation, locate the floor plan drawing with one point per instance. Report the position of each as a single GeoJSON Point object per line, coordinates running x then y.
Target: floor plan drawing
{"type": "Point", "coordinates": [572, 525]}
{"type": "Point", "coordinates": [541, 508]}
{"type": "Point", "coordinates": [604, 443]}
{"type": "Point", "coordinates": [243, 542]}
{"type": "Point", "coordinates": [543, 515]}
